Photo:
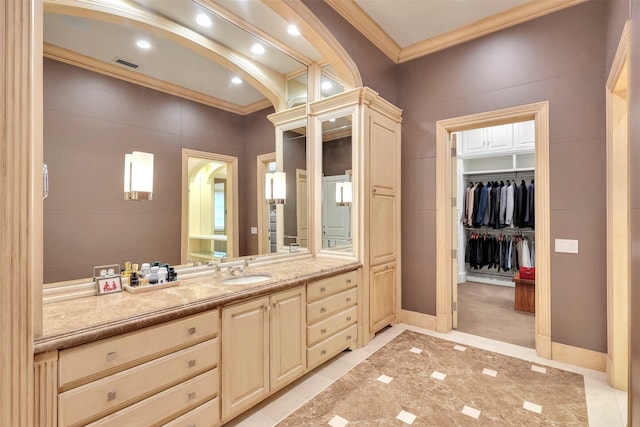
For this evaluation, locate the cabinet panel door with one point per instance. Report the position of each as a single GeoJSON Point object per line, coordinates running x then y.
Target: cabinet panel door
{"type": "Point", "coordinates": [383, 296]}
{"type": "Point", "coordinates": [525, 135]}
{"type": "Point", "coordinates": [500, 137]}
{"type": "Point", "coordinates": [382, 238]}
{"type": "Point", "coordinates": [472, 141]}
{"type": "Point", "coordinates": [288, 344]}
{"type": "Point", "coordinates": [245, 356]}
{"type": "Point", "coordinates": [383, 140]}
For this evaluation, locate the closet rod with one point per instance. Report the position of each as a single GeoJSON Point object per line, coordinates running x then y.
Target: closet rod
{"type": "Point", "coordinates": [500, 177]}
{"type": "Point", "coordinates": [490, 230]}
{"type": "Point", "coordinates": [501, 171]}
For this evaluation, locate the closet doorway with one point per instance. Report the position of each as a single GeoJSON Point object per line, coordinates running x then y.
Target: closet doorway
{"type": "Point", "coordinates": [495, 215]}
{"type": "Point", "coordinates": [447, 217]}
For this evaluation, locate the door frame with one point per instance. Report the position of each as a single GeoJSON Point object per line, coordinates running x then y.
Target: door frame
{"type": "Point", "coordinates": [263, 210]}
{"type": "Point", "coordinates": [618, 215]}
{"type": "Point", "coordinates": [232, 204]}
{"type": "Point", "coordinates": [540, 113]}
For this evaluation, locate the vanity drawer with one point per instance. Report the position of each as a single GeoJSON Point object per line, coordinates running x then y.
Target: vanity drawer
{"type": "Point", "coordinates": [331, 346]}
{"type": "Point", "coordinates": [329, 326]}
{"type": "Point", "coordinates": [331, 285]}
{"type": "Point", "coordinates": [95, 360]}
{"type": "Point", "coordinates": [107, 395]}
{"type": "Point", "coordinates": [330, 305]}
{"type": "Point", "coordinates": [205, 415]}
{"type": "Point", "coordinates": [165, 405]}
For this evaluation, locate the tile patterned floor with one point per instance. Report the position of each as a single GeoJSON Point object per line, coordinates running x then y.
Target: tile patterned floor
{"type": "Point", "coordinates": [605, 406]}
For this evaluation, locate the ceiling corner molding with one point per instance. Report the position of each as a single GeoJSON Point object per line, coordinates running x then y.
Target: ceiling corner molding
{"type": "Point", "coordinates": [82, 61]}
{"type": "Point", "coordinates": [500, 21]}
{"type": "Point", "coordinates": [362, 22]}
{"type": "Point", "coordinates": [319, 36]}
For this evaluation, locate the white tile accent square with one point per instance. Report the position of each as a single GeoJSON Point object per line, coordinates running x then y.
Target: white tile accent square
{"type": "Point", "coordinates": [415, 350]}
{"type": "Point", "coordinates": [530, 406]}
{"type": "Point", "coordinates": [540, 369]}
{"type": "Point", "coordinates": [490, 372]}
{"type": "Point", "coordinates": [385, 379]}
{"type": "Point", "coordinates": [338, 421]}
{"type": "Point", "coordinates": [459, 347]}
{"type": "Point", "coordinates": [471, 412]}
{"type": "Point", "coordinates": [406, 417]}
{"type": "Point", "coordinates": [438, 375]}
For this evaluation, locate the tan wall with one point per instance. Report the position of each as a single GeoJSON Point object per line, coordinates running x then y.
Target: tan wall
{"type": "Point", "coordinates": [90, 122]}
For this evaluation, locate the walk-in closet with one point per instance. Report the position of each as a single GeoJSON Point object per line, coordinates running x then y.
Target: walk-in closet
{"type": "Point", "coordinates": [496, 232]}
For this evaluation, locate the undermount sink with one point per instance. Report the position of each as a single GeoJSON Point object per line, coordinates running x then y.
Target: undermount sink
{"type": "Point", "coordinates": [246, 280]}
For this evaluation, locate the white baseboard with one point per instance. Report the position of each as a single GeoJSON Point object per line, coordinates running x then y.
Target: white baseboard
{"type": "Point", "coordinates": [420, 320]}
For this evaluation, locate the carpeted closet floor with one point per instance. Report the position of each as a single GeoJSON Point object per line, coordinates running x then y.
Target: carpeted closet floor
{"type": "Point", "coordinates": [487, 311]}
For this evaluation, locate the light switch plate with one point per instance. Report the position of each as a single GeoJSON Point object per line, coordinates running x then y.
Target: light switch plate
{"type": "Point", "coordinates": [254, 230]}
{"type": "Point", "coordinates": [567, 246]}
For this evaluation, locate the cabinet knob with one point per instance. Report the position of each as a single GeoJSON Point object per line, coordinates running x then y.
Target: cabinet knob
{"type": "Point", "coordinates": [323, 289]}
{"type": "Point", "coordinates": [323, 331]}
{"type": "Point", "coordinates": [373, 191]}
{"type": "Point", "coordinates": [323, 352]}
{"type": "Point", "coordinates": [111, 396]}
{"type": "Point", "coordinates": [111, 355]}
{"type": "Point", "coordinates": [323, 309]}
{"type": "Point", "coordinates": [348, 337]}
{"type": "Point", "coordinates": [348, 318]}
{"type": "Point", "coordinates": [192, 363]}
{"type": "Point", "coordinates": [349, 299]}
{"type": "Point", "coordinates": [348, 281]}
{"type": "Point", "coordinates": [267, 307]}
{"type": "Point", "coordinates": [191, 395]}
{"type": "Point", "coordinates": [192, 330]}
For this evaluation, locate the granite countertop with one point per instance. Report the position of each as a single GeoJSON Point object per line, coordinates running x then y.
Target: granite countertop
{"type": "Point", "coordinates": [82, 320]}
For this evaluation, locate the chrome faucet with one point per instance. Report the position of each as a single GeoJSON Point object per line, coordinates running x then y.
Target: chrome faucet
{"type": "Point", "coordinates": [234, 270]}
{"type": "Point", "coordinates": [246, 263]}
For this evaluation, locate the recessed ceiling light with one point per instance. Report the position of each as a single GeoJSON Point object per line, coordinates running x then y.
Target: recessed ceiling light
{"type": "Point", "coordinates": [326, 85]}
{"type": "Point", "coordinates": [236, 80]}
{"type": "Point", "coordinates": [203, 20]}
{"type": "Point", "coordinates": [257, 48]}
{"type": "Point", "coordinates": [143, 44]}
{"type": "Point", "coordinates": [293, 30]}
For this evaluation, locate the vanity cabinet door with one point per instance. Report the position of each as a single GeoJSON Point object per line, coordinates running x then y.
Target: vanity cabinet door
{"type": "Point", "coordinates": [245, 356]}
{"type": "Point", "coordinates": [288, 344]}
{"type": "Point", "coordinates": [383, 296]}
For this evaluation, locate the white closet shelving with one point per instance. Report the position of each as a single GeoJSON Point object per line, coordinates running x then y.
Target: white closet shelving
{"type": "Point", "coordinates": [499, 153]}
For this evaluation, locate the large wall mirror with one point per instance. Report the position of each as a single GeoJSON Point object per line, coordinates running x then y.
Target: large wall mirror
{"type": "Point", "coordinates": [164, 98]}
{"type": "Point", "coordinates": [337, 184]}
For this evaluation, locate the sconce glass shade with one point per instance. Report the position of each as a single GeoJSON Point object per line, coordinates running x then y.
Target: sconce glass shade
{"type": "Point", "coordinates": [344, 193]}
{"type": "Point", "coordinates": [275, 188]}
{"type": "Point", "coordinates": [138, 176]}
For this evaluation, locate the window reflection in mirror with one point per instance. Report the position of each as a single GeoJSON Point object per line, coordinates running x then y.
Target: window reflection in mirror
{"type": "Point", "coordinates": [336, 184]}
{"type": "Point", "coordinates": [294, 211]}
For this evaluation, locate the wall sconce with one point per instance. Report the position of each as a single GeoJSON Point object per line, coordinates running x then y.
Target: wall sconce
{"type": "Point", "coordinates": [138, 176]}
{"type": "Point", "coordinates": [344, 193]}
{"type": "Point", "coordinates": [275, 188]}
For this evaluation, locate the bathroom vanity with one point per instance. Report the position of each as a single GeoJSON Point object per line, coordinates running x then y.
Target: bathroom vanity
{"type": "Point", "coordinates": [196, 354]}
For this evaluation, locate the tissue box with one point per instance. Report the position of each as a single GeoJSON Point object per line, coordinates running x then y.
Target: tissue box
{"type": "Point", "coordinates": [528, 273]}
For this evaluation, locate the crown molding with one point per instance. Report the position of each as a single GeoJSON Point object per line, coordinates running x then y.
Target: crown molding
{"type": "Point", "coordinates": [359, 19]}
{"type": "Point", "coordinates": [350, 11]}
{"type": "Point", "coordinates": [82, 61]}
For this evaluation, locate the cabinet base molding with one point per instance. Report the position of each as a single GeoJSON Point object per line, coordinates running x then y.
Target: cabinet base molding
{"type": "Point", "coordinates": [579, 356]}
{"type": "Point", "coordinates": [420, 320]}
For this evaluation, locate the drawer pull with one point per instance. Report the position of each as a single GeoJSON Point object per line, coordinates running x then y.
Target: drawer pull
{"type": "Point", "coordinates": [111, 396]}
{"type": "Point", "coordinates": [323, 309]}
{"type": "Point", "coordinates": [192, 363]}
{"type": "Point", "coordinates": [349, 299]}
{"type": "Point", "coordinates": [348, 318]}
{"type": "Point", "coordinates": [192, 330]}
{"type": "Point", "coordinates": [348, 337]}
{"type": "Point", "coordinates": [323, 352]}
{"type": "Point", "coordinates": [323, 331]}
{"type": "Point", "coordinates": [323, 289]}
{"type": "Point", "coordinates": [192, 395]}
{"type": "Point", "coordinates": [348, 281]}
{"type": "Point", "coordinates": [111, 355]}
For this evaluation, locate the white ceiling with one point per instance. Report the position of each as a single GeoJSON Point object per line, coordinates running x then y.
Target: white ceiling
{"type": "Point", "coordinates": [407, 22]}
{"type": "Point", "coordinates": [412, 21]}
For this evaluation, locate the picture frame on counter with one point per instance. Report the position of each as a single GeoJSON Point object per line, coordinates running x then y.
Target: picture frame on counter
{"type": "Point", "coordinates": [109, 284]}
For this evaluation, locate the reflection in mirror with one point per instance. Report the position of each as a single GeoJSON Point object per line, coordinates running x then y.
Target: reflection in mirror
{"type": "Point", "coordinates": [294, 211]}
{"type": "Point", "coordinates": [210, 236]}
{"type": "Point", "coordinates": [336, 184]}
{"type": "Point", "coordinates": [329, 83]}
{"type": "Point", "coordinates": [297, 90]}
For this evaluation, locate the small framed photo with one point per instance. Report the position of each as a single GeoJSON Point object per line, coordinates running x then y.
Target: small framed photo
{"type": "Point", "coordinates": [108, 285]}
